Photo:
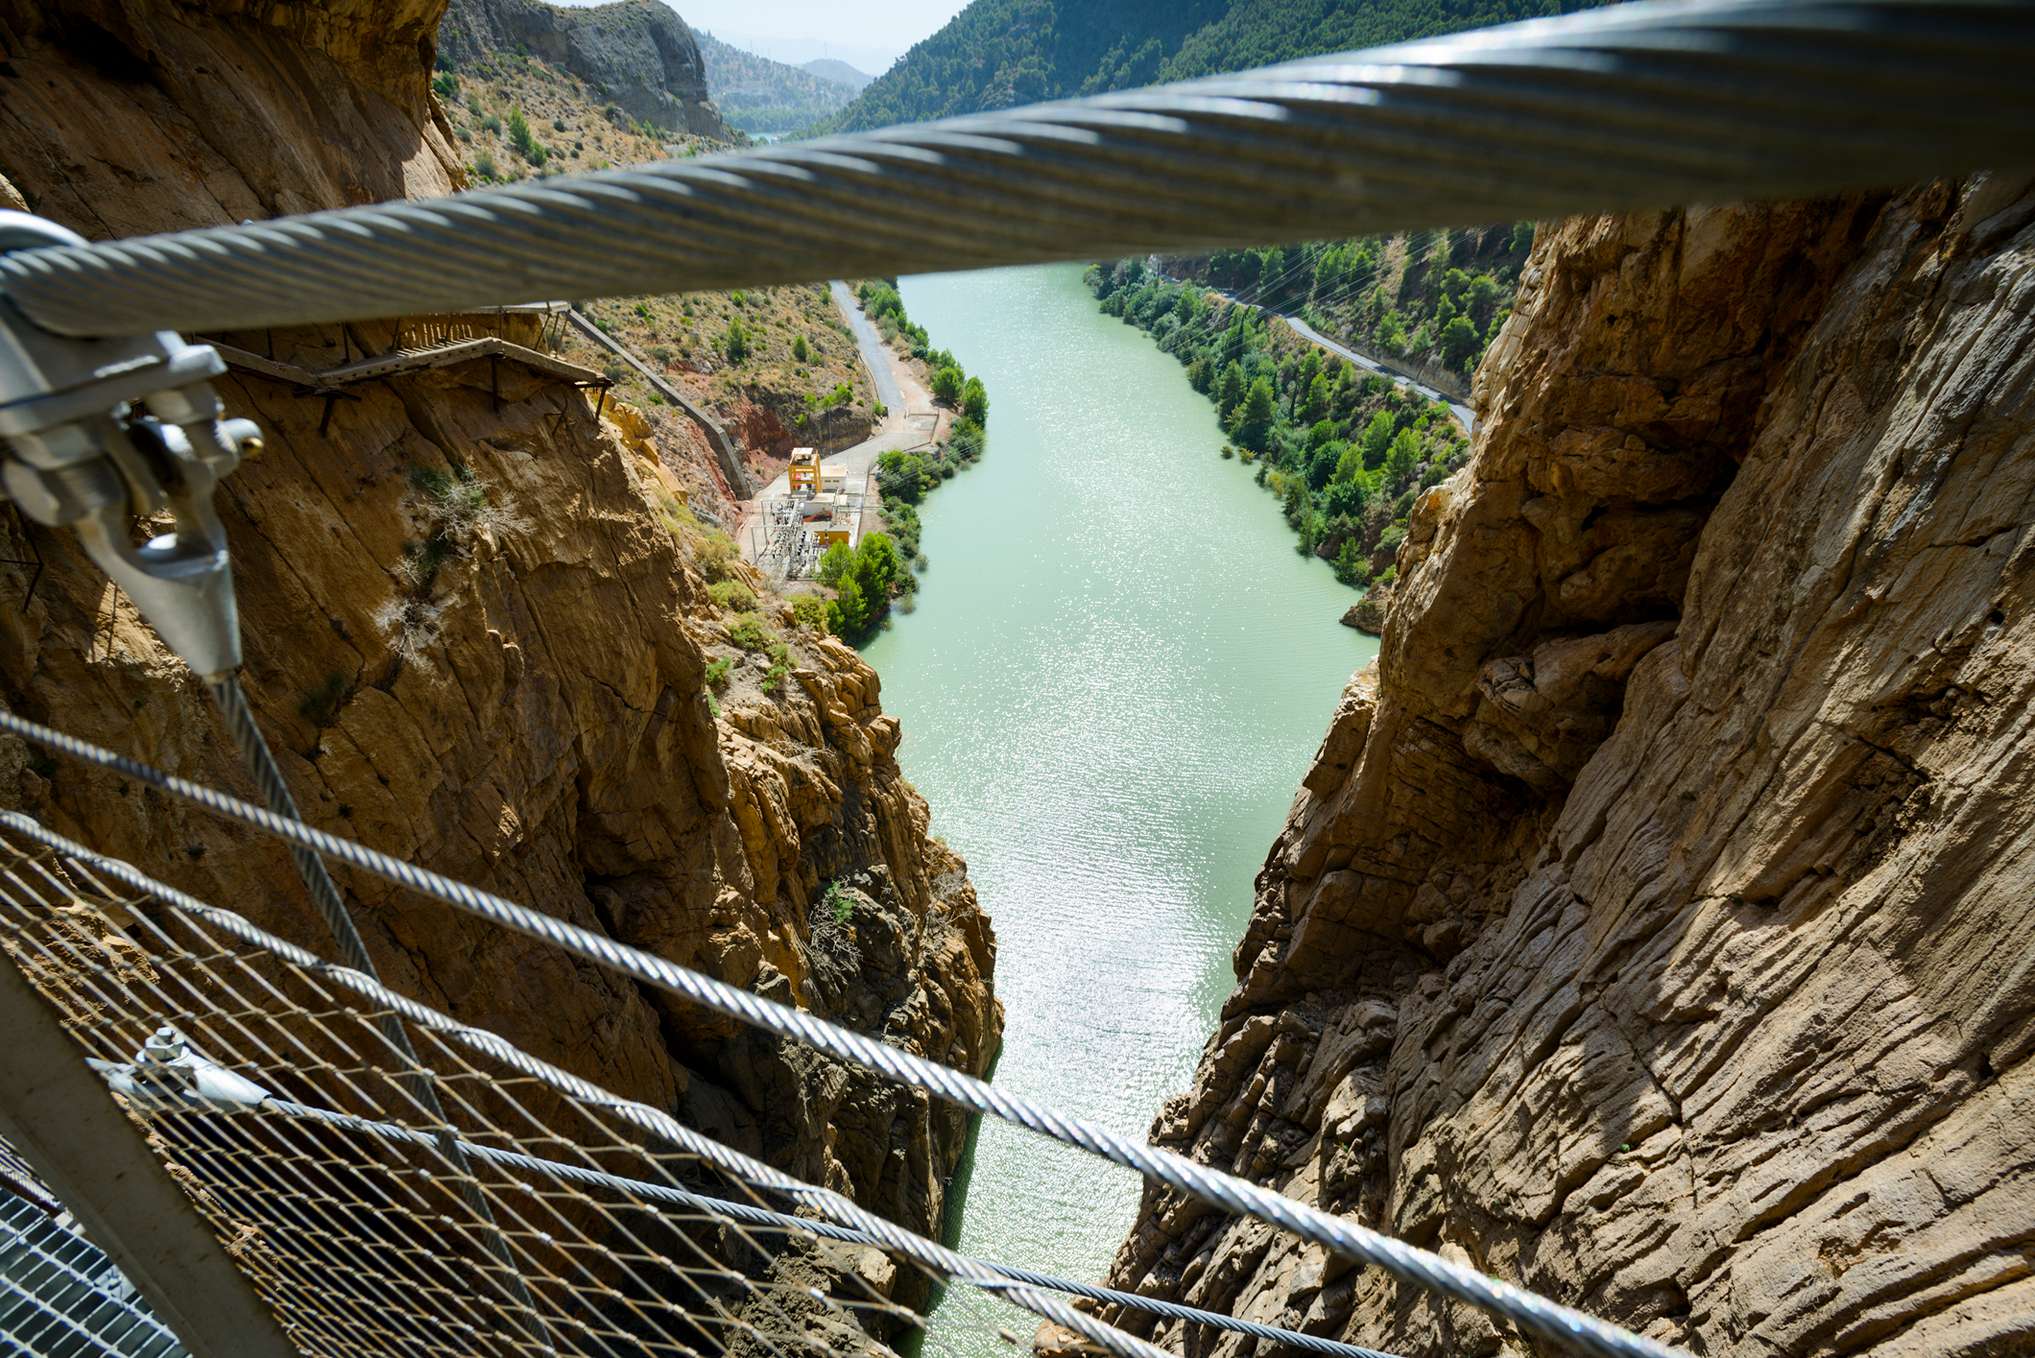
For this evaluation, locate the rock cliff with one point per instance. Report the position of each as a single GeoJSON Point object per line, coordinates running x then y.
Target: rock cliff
{"type": "Point", "coordinates": [478, 625]}
{"type": "Point", "coordinates": [637, 53]}
{"type": "Point", "coordinates": [1654, 925]}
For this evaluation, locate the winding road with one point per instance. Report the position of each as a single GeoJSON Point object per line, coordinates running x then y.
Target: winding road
{"type": "Point", "coordinates": [909, 418]}
{"type": "Point", "coordinates": [1464, 415]}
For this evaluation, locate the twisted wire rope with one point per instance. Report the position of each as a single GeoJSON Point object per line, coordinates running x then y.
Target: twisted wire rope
{"type": "Point", "coordinates": [1646, 105]}
{"type": "Point", "coordinates": [1535, 1314]}
{"type": "Point", "coordinates": [763, 1216]}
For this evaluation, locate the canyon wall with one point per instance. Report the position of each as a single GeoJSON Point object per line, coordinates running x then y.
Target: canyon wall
{"type": "Point", "coordinates": [1654, 927]}
{"type": "Point", "coordinates": [478, 628]}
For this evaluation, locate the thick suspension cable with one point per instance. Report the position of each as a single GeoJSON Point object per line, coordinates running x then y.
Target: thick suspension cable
{"type": "Point", "coordinates": [1646, 105]}
{"type": "Point", "coordinates": [1535, 1314]}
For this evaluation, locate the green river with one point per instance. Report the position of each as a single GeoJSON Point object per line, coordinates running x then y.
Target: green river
{"type": "Point", "coordinates": [1114, 679]}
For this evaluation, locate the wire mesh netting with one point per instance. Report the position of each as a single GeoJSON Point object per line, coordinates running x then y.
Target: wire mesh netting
{"type": "Point", "coordinates": [276, 1098]}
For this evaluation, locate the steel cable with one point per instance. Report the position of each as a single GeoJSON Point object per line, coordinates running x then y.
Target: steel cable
{"type": "Point", "coordinates": [1535, 1314]}
{"type": "Point", "coordinates": [260, 762]}
{"type": "Point", "coordinates": [1645, 105]}
{"type": "Point", "coordinates": [763, 1216]}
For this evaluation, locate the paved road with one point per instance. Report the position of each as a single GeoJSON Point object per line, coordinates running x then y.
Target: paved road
{"type": "Point", "coordinates": [898, 428]}
{"type": "Point", "coordinates": [1464, 415]}
{"type": "Point", "coordinates": [875, 357]}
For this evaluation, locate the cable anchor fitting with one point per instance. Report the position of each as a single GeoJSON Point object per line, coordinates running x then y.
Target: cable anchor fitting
{"type": "Point", "coordinates": [99, 433]}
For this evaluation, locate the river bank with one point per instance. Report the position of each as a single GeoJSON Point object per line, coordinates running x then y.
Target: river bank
{"type": "Point", "coordinates": [1116, 674]}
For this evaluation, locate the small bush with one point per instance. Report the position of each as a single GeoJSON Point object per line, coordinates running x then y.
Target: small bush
{"type": "Point", "coordinates": [491, 124]}
{"type": "Point", "coordinates": [810, 611]}
{"type": "Point", "coordinates": [749, 632]}
{"type": "Point", "coordinates": [445, 85]}
{"type": "Point", "coordinates": [780, 666]}
{"type": "Point", "coordinates": [718, 671]}
{"type": "Point", "coordinates": [412, 627]}
{"type": "Point", "coordinates": [800, 350]}
{"type": "Point", "coordinates": [321, 705]}
{"type": "Point", "coordinates": [732, 594]}
{"type": "Point", "coordinates": [484, 166]}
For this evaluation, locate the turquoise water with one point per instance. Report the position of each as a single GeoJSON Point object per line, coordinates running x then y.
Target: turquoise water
{"type": "Point", "coordinates": [1116, 674]}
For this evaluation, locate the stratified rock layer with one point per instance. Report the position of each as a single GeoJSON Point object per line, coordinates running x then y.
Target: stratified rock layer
{"type": "Point", "coordinates": [508, 685]}
{"type": "Point", "coordinates": [1655, 925]}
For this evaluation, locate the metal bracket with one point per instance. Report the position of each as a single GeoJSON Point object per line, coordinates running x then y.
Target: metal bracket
{"type": "Point", "coordinates": [169, 1073]}
{"type": "Point", "coordinates": [100, 432]}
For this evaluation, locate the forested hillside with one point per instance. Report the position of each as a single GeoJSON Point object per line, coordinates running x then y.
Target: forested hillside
{"type": "Point", "coordinates": [1431, 300]}
{"type": "Point", "coordinates": [764, 97]}
{"type": "Point", "coordinates": [1000, 53]}
{"type": "Point", "coordinates": [1346, 452]}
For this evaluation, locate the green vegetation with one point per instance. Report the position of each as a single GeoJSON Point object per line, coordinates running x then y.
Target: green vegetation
{"type": "Point", "coordinates": [800, 350]}
{"type": "Point", "coordinates": [836, 904]}
{"type": "Point", "coordinates": [1438, 297]}
{"type": "Point", "coordinates": [906, 478]}
{"type": "Point", "coordinates": [321, 705]}
{"type": "Point", "coordinates": [863, 581]}
{"type": "Point", "coordinates": [749, 632]}
{"type": "Point", "coordinates": [445, 85]}
{"type": "Point", "coordinates": [999, 53]}
{"type": "Point", "coordinates": [758, 95]}
{"type": "Point", "coordinates": [718, 671]}
{"type": "Point", "coordinates": [733, 595]}
{"type": "Point", "coordinates": [810, 612]}
{"type": "Point", "coordinates": [1346, 452]}
{"type": "Point", "coordinates": [735, 343]}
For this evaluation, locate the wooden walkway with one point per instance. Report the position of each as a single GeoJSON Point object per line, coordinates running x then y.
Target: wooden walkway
{"type": "Point", "coordinates": [331, 380]}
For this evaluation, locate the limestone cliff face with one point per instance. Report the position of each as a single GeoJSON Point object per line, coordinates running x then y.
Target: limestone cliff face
{"type": "Point", "coordinates": [477, 628]}
{"type": "Point", "coordinates": [638, 53]}
{"type": "Point", "coordinates": [1654, 926]}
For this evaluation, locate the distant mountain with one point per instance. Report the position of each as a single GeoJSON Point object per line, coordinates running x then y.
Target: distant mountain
{"type": "Point", "coordinates": [637, 53]}
{"type": "Point", "coordinates": [840, 72]}
{"type": "Point", "coordinates": [1000, 53]}
{"type": "Point", "coordinates": [764, 97]}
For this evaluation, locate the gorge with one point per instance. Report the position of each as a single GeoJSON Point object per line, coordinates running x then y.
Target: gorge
{"type": "Point", "coordinates": [1651, 925]}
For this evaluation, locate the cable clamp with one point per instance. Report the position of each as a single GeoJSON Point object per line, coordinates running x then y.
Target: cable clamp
{"type": "Point", "coordinates": [168, 1074]}
{"type": "Point", "coordinates": [101, 433]}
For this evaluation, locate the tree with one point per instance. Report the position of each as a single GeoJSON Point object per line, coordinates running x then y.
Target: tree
{"type": "Point", "coordinates": [735, 344]}
{"type": "Point", "coordinates": [848, 615]}
{"type": "Point", "coordinates": [1404, 458]}
{"type": "Point", "coordinates": [1230, 391]}
{"type": "Point", "coordinates": [801, 351]}
{"type": "Point", "coordinates": [1377, 439]}
{"type": "Point", "coordinates": [901, 477]}
{"type": "Point", "coordinates": [835, 564]}
{"type": "Point", "coordinates": [1256, 415]}
{"type": "Point", "coordinates": [1460, 342]}
{"type": "Point", "coordinates": [947, 383]}
{"type": "Point", "coordinates": [975, 400]}
{"type": "Point", "coordinates": [1314, 405]}
{"type": "Point", "coordinates": [876, 568]}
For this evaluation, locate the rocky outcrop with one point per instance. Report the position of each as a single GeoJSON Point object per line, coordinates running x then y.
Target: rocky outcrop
{"type": "Point", "coordinates": [1654, 926]}
{"type": "Point", "coordinates": [477, 629]}
{"type": "Point", "coordinates": [636, 53]}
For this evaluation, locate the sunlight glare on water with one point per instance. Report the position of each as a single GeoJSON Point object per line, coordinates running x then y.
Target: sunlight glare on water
{"type": "Point", "coordinates": [1117, 672]}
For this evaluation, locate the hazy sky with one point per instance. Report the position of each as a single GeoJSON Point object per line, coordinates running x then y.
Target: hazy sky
{"type": "Point", "coordinates": [869, 34]}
